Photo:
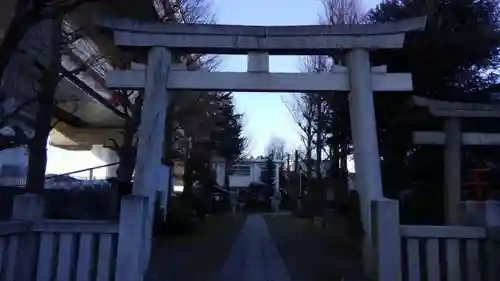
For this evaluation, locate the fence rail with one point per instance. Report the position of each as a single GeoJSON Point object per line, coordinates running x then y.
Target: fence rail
{"type": "Point", "coordinates": [433, 253]}
{"type": "Point", "coordinates": [13, 227]}
{"type": "Point", "coordinates": [457, 232]}
{"type": "Point", "coordinates": [68, 249]}
{"type": "Point", "coordinates": [443, 252]}
{"type": "Point", "coordinates": [90, 170]}
{"type": "Point", "coordinates": [76, 226]}
{"type": "Point", "coordinates": [74, 179]}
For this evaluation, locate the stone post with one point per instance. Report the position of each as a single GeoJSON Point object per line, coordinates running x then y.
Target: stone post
{"type": "Point", "coordinates": [492, 222]}
{"type": "Point", "coordinates": [387, 240]}
{"type": "Point", "coordinates": [452, 169]}
{"type": "Point", "coordinates": [27, 207]}
{"type": "Point", "coordinates": [258, 62]}
{"type": "Point", "coordinates": [130, 248]}
{"type": "Point", "coordinates": [485, 214]}
{"type": "Point", "coordinates": [151, 134]}
{"type": "Point", "coordinates": [364, 134]}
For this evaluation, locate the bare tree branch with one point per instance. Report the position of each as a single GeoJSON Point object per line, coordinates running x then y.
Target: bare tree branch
{"type": "Point", "coordinates": [194, 11]}
{"type": "Point", "coordinates": [340, 12]}
{"type": "Point", "coordinates": [276, 148]}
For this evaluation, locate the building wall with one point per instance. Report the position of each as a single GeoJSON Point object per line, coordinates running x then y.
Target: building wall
{"type": "Point", "coordinates": [241, 179]}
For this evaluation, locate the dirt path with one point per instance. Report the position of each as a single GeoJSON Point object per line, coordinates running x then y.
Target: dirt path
{"type": "Point", "coordinates": [270, 247]}
{"type": "Point", "coordinates": [312, 253]}
{"type": "Point", "coordinates": [196, 257]}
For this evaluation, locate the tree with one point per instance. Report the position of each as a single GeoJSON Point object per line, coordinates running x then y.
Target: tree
{"type": "Point", "coordinates": [46, 78]}
{"type": "Point", "coordinates": [319, 110]}
{"type": "Point", "coordinates": [181, 108]}
{"type": "Point", "coordinates": [31, 14]}
{"type": "Point", "coordinates": [268, 174]}
{"type": "Point", "coordinates": [27, 15]}
{"type": "Point", "coordinates": [276, 147]}
{"type": "Point", "coordinates": [127, 150]}
{"type": "Point", "coordinates": [229, 142]}
{"type": "Point", "coordinates": [25, 56]}
{"type": "Point", "coordinates": [329, 129]}
{"type": "Point", "coordinates": [301, 107]}
{"type": "Point", "coordinates": [337, 119]}
{"type": "Point", "coordinates": [461, 44]}
{"type": "Point", "coordinates": [13, 132]}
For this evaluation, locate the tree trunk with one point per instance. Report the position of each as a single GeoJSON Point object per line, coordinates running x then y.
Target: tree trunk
{"type": "Point", "coordinates": [127, 152]}
{"type": "Point", "coordinates": [226, 175]}
{"type": "Point", "coordinates": [309, 163]}
{"type": "Point", "coordinates": [26, 17]}
{"type": "Point", "coordinates": [344, 173]}
{"type": "Point", "coordinates": [188, 178]}
{"type": "Point", "coordinates": [37, 149]}
{"type": "Point", "coordinates": [319, 147]}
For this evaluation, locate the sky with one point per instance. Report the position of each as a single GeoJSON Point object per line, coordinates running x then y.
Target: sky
{"type": "Point", "coordinates": [265, 114]}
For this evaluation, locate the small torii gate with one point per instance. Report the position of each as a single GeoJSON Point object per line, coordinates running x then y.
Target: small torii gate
{"type": "Point", "coordinates": [452, 138]}
{"type": "Point", "coordinates": [258, 42]}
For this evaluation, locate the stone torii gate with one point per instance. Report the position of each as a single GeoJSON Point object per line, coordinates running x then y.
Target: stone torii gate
{"type": "Point", "coordinates": [452, 138]}
{"type": "Point", "coordinates": [258, 42]}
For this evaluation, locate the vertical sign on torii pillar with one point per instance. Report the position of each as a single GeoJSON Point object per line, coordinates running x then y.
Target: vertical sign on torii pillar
{"type": "Point", "coordinates": [360, 79]}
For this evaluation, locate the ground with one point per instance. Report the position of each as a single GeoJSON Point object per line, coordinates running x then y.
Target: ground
{"type": "Point", "coordinates": [196, 257]}
{"type": "Point", "coordinates": [312, 252]}
{"type": "Point", "coordinates": [268, 247]}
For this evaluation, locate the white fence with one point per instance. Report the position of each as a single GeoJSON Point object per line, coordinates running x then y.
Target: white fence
{"type": "Point", "coordinates": [431, 253]}
{"type": "Point", "coordinates": [35, 249]}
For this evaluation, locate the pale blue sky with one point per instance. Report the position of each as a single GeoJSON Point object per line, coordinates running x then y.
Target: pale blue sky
{"type": "Point", "coordinates": [265, 113]}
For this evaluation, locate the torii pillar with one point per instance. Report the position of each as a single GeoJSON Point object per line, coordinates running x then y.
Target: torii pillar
{"type": "Point", "coordinates": [364, 135]}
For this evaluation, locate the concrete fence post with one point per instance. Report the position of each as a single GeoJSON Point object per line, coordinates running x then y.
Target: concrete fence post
{"type": "Point", "coordinates": [386, 264]}
{"type": "Point", "coordinates": [485, 214]}
{"type": "Point", "coordinates": [131, 237]}
{"type": "Point", "coordinates": [27, 207]}
{"type": "Point", "coordinates": [492, 219]}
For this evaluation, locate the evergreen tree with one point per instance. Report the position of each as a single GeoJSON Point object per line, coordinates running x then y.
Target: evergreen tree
{"type": "Point", "coordinates": [227, 137]}
{"type": "Point", "coordinates": [268, 175]}
{"type": "Point", "coordinates": [448, 59]}
{"type": "Point", "coordinates": [451, 60]}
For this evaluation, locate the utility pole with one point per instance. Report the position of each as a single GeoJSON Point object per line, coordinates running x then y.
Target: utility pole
{"type": "Point", "coordinates": [288, 163]}
{"type": "Point", "coordinates": [298, 170]}
{"type": "Point", "coordinates": [299, 200]}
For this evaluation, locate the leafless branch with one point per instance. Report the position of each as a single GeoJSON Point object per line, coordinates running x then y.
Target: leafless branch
{"type": "Point", "coordinates": [4, 119]}
{"type": "Point", "coordinates": [194, 11]}
{"type": "Point", "coordinates": [75, 102]}
{"type": "Point", "coordinates": [276, 148]}
{"type": "Point", "coordinates": [340, 12]}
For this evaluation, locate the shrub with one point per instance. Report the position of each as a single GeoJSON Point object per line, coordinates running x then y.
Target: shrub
{"type": "Point", "coordinates": [180, 218]}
